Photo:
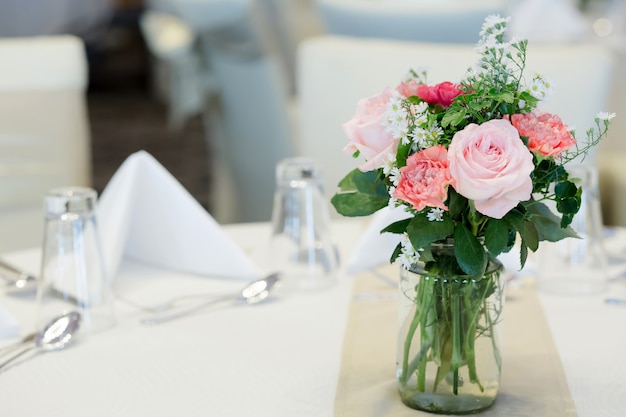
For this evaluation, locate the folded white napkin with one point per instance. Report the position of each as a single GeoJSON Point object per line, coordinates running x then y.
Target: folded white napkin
{"type": "Point", "coordinates": [374, 248]}
{"type": "Point", "coordinates": [144, 213]}
{"type": "Point", "coordinates": [9, 327]}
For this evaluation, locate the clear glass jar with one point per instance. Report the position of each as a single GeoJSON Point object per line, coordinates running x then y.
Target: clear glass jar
{"type": "Point", "coordinates": [448, 358]}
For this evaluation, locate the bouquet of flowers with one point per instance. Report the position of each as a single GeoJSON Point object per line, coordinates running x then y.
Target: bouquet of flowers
{"type": "Point", "coordinates": [475, 163]}
{"type": "Point", "coordinates": [473, 160]}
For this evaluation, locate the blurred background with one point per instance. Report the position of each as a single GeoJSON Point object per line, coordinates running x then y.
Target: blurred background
{"type": "Point", "coordinates": [211, 87]}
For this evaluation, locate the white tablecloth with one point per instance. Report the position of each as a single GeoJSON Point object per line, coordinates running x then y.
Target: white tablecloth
{"type": "Point", "coordinates": [280, 358]}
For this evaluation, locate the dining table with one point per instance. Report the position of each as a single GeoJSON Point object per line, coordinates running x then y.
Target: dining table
{"type": "Point", "coordinates": [282, 357]}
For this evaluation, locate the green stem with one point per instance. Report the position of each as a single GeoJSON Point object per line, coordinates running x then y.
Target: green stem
{"type": "Point", "coordinates": [421, 307]}
{"type": "Point", "coordinates": [457, 358]}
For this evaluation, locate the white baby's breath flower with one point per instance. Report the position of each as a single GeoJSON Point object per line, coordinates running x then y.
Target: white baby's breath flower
{"type": "Point", "coordinates": [421, 108]}
{"type": "Point", "coordinates": [420, 137]}
{"type": "Point", "coordinates": [521, 104]}
{"type": "Point", "coordinates": [394, 175]}
{"type": "Point", "coordinates": [494, 24]}
{"type": "Point", "coordinates": [605, 115]}
{"type": "Point", "coordinates": [389, 162]}
{"type": "Point", "coordinates": [539, 87]}
{"type": "Point", "coordinates": [395, 118]}
{"type": "Point", "coordinates": [393, 201]}
{"type": "Point", "coordinates": [435, 214]}
{"type": "Point", "coordinates": [409, 256]}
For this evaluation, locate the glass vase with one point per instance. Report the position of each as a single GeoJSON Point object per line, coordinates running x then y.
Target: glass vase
{"type": "Point", "coordinates": [448, 358]}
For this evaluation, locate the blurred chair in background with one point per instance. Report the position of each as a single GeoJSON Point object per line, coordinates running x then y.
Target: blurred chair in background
{"type": "Point", "coordinates": [335, 72]}
{"type": "Point", "coordinates": [445, 21]}
{"type": "Point", "coordinates": [44, 132]}
{"type": "Point", "coordinates": [245, 94]}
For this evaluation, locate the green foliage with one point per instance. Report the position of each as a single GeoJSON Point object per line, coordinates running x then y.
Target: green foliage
{"type": "Point", "coordinates": [361, 194]}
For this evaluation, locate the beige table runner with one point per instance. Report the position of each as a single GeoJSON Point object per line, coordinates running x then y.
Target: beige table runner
{"type": "Point", "coordinates": [532, 384]}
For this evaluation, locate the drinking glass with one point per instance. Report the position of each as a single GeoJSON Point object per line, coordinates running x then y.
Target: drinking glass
{"type": "Point", "coordinates": [73, 276]}
{"type": "Point", "coordinates": [577, 266]}
{"type": "Point", "coordinates": [301, 247]}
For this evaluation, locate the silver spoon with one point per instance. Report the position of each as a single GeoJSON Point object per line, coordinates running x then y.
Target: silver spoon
{"type": "Point", "coordinates": [54, 336]}
{"type": "Point", "coordinates": [253, 293]}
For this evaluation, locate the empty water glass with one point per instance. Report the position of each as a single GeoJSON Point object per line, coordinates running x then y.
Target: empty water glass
{"type": "Point", "coordinates": [301, 247]}
{"type": "Point", "coordinates": [575, 266]}
{"type": "Point", "coordinates": [73, 276]}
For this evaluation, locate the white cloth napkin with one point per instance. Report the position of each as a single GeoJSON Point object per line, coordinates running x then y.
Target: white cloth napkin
{"type": "Point", "coordinates": [374, 248]}
{"type": "Point", "coordinates": [144, 213]}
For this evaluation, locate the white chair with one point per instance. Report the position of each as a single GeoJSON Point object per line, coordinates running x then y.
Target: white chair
{"type": "Point", "coordinates": [335, 72]}
{"type": "Point", "coordinates": [412, 20]}
{"type": "Point", "coordinates": [44, 136]}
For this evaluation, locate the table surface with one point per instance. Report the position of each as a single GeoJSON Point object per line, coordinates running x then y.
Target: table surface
{"type": "Point", "coordinates": [279, 358]}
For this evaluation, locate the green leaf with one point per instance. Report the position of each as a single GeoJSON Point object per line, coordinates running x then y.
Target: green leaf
{"type": "Point", "coordinates": [530, 236]}
{"type": "Point", "coordinates": [565, 189]}
{"type": "Point", "coordinates": [505, 96]}
{"type": "Point", "coordinates": [547, 224]}
{"type": "Point", "coordinates": [347, 184]}
{"type": "Point", "coordinates": [457, 204]}
{"type": "Point", "coordinates": [396, 252]}
{"type": "Point", "coordinates": [402, 154]}
{"type": "Point", "coordinates": [523, 255]}
{"type": "Point", "coordinates": [453, 118]}
{"type": "Point", "coordinates": [357, 204]}
{"type": "Point", "coordinates": [422, 232]}
{"type": "Point", "coordinates": [371, 182]}
{"type": "Point", "coordinates": [469, 253]}
{"type": "Point", "coordinates": [496, 236]}
{"type": "Point", "coordinates": [397, 227]}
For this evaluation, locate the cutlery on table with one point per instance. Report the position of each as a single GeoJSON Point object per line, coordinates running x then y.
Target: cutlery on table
{"type": "Point", "coordinates": [253, 293]}
{"type": "Point", "coordinates": [53, 336]}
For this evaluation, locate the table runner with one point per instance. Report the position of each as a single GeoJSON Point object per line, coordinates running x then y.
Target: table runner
{"type": "Point", "coordinates": [532, 383]}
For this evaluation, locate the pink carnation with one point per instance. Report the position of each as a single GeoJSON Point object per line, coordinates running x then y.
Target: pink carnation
{"type": "Point", "coordinates": [367, 134]}
{"type": "Point", "coordinates": [442, 93]}
{"type": "Point", "coordinates": [425, 178]}
{"type": "Point", "coordinates": [546, 133]}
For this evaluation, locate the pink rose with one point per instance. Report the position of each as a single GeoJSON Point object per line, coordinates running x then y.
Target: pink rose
{"type": "Point", "coordinates": [546, 133]}
{"type": "Point", "coordinates": [492, 166]}
{"type": "Point", "coordinates": [367, 133]}
{"type": "Point", "coordinates": [425, 178]}
{"type": "Point", "coordinates": [442, 93]}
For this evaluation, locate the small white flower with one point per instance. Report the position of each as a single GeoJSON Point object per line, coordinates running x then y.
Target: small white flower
{"type": "Point", "coordinates": [435, 214]}
{"type": "Point", "coordinates": [605, 115]}
{"type": "Point", "coordinates": [539, 87]}
{"type": "Point", "coordinates": [409, 256]}
{"type": "Point", "coordinates": [494, 23]}
{"type": "Point", "coordinates": [521, 104]}
{"type": "Point", "coordinates": [420, 136]}
{"type": "Point", "coordinates": [389, 163]}
{"type": "Point", "coordinates": [394, 175]}
{"type": "Point", "coordinates": [421, 108]}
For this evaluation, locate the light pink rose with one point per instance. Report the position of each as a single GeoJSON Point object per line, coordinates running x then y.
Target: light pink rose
{"type": "Point", "coordinates": [367, 134]}
{"type": "Point", "coordinates": [425, 178]}
{"type": "Point", "coordinates": [492, 166]}
{"type": "Point", "coordinates": [546, 133]}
